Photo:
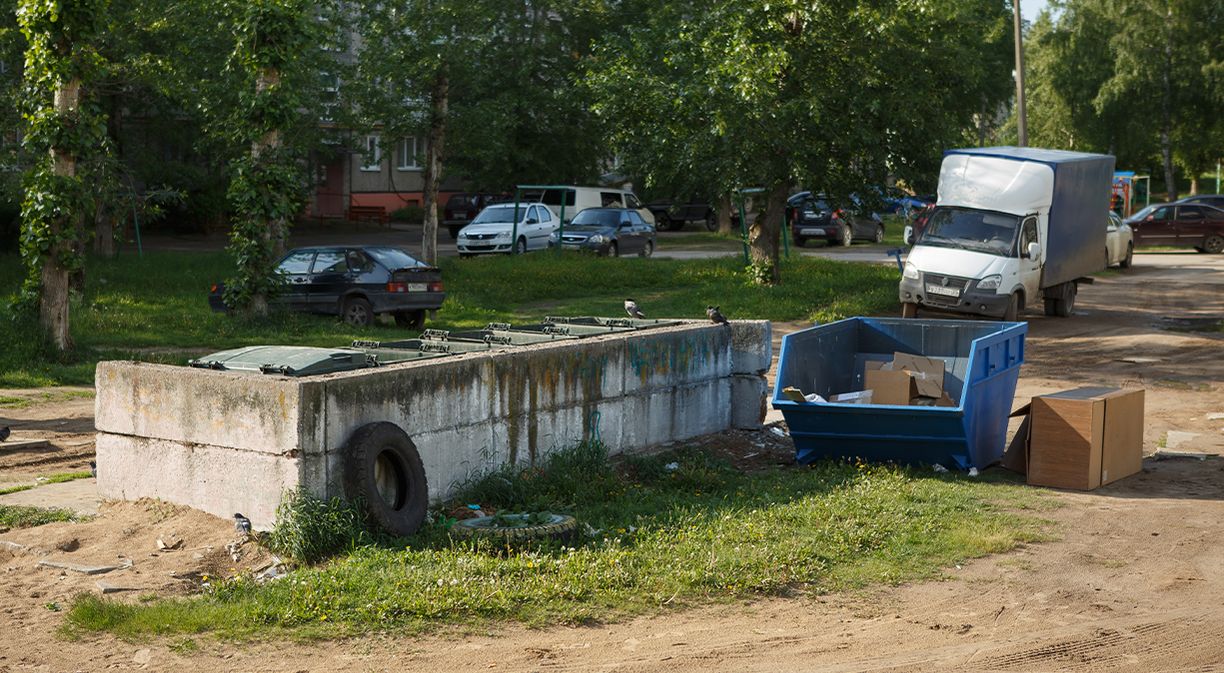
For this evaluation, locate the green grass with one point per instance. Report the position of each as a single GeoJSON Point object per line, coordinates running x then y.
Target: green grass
{"type": "Point", "coordinates": [155, 308]}
{"type": "Point", "coordinates": [19, 516]}
{"type": "Point", "coordinates": [58, 478]}
{"type": "Point", "coordinates": [654, 538]}
{"type": "Point", "coordinates": [42, 397]}
{"type": "Point", "coordinates": [16, 489]}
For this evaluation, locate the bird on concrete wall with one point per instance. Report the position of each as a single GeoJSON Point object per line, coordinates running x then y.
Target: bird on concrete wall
{"type": "Point", "coordinates": [632, 309]}
{"type": "Point", "coordinates": [715, 315]}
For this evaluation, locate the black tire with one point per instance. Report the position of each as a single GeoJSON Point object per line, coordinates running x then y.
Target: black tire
{"type": "Point", "coordinates": [558, 525]}
{"type": "Point", "coordinates": [879, 234]}
{"type": "Point", "coordinates": [1213, 245]}
{"type": "Point", "coordinates": [1062, 306]}
{"type": "Point", "coordinates": [613, 249]}
{"type": "Point", "coordinates": [410, 319]}
{"type": "Point", "coordinates": [847, 237]}
{"type": "Point", "coordinates": [909, 310]}
{"type": "Point", "coordinates": [1129, 258]}
{"type": "Point", "coordinates": [1051, 308]}
{"type": "Point", "coordinates": [711, 222]}
{"type": "Point", "coordinates": [663, 222]}
{"type": "Point", "coordinates": [1012, 312]}
{"type": "Point", "coordinates": [384, 471]}
{"type": "Point", "coordinates": [520, 246]}
{"type": "Point", "coordinates": [357, 312]}
{"type": "Point", "coordinates": [647, 250]}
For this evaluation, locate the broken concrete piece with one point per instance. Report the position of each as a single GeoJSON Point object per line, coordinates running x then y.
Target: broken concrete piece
{"type": "Point", "coordinates": [84, 569]}
{"type": "Point", "coordinates": [25, 445]}
{"type": "Point", "coordinates": [108, 588]}
{"type": "Point", "coordinates": [1176, 439]}
{"type": "Point", "coordinates": [1164, 454]}
{"type": "Point", "coordinates": [1218, 416]}
{"type": "Point", "coordinates": [12, 546]}
{"type": "Point", "coordinates": [169, 542]}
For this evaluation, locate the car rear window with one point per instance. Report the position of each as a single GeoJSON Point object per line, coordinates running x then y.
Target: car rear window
{"type": "Point", "coordinates": [460, 200]}
{"type": "Point", "coordinates": [393, 258]}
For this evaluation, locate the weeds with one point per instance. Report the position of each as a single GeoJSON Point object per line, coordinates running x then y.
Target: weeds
{"type": "Point", "coordinates": [19, 516]}
{"type": "Point", "coordinates": [309, 529]}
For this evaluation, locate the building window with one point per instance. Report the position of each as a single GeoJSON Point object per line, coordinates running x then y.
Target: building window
{"type": "Point", "coordinates": [408, 148]}
{"type": "Point", "coordinates": [373, 155]}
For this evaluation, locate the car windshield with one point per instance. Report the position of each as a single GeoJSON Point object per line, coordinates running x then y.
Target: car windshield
{"type": "Point", "coordinates": [499, 214]}
{"type": "Point", "coordinates": [592, 217]}
{"type": "Point", "coordinates": [459, 200]}
{"type": "Point", "coordinates": [1143, 213]}
{"type": "Point", "coordinates": [393, 258]}
{"type": "Point", "coordinates": [978, 230]}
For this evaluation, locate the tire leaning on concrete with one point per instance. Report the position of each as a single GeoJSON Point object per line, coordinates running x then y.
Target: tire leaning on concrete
{"type": "Point", "coordinates": [383, 452]}
{"type": "Point", "coordinates": [557, 525]}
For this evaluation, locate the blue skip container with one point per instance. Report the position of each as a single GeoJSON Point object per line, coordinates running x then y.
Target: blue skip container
{"type": "Point", "coordinates": [981, 365]}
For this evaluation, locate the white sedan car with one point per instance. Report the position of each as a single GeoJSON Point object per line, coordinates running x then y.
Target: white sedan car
{"type": "Point", "coordinates": [494, 230]}
{"type": "Point", "coordinates": [1119, 242]}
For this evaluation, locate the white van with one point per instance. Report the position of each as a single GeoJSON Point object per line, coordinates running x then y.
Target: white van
{"type": "Point", "coordinates": [577, 199]}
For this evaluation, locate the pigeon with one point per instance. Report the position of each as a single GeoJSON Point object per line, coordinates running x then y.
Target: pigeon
{"type": "Point", "coordinates": [715, 315]}
{"type": "Point", "coordinates": [632, 309]}
{"type": "Point", "coordinates": [93, 469]}
{"type": "Point", "coordinates": [4, 433]}
{"type": "Point", "coordinates": [242, 524]}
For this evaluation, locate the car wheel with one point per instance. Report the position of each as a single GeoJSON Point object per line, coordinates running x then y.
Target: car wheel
{"type": "Point", "coordinates": [384, 472]}
{"type": "Point", "coordinates": [909, 310]}
{"type": "Point", "coordinates": [1130, 253]}
{"type": "Point", "coordinates": [410, 319]}
{"type": "Point", "coordinates": [357, 311]}
{"type": "Point", "coordinates": [662, 222]}
{"type": "Point", "coordinates": [711, 222]}
{"type": "Point", "coordinates": [647, 250]}
{"type": "Point", "coordinates": [1214, 245]}
{"type": "Point", "coordinates": [847, 238]}
{"type": "Point", "coordinates": [520, 246]}
{"type": "Point", "coordinates": [879, 235]}
{"type": "Point", "coordinates": [1013, 308]}
{"type": "Point", "coordinates": [613, 250]}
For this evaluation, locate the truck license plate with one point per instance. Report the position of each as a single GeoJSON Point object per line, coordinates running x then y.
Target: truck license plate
{"type": "Point", "coordinates": [460, 216]}
{"type": "Point", "coordinates": [812, 232]}
{"type": "Point", "coordinates": [945, 291]}
{"type": "Point", "coordinates": [418, 287]}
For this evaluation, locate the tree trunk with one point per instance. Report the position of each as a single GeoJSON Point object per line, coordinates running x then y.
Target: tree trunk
{"type": "Point", "coordinates": [763, 237]}
{"type": "Point", "coordinates": [1194, 184]}
{"type": "Point", "coordinates": [104, 231]}
{"type": "Point", "coordinates": [439, 100]}
{"type": "Point", "coordinates": [724, 214]}
{"type": "Point", "coordinates": [273, 235]}
{"type": "Point", "coordinates": [1166, 106]}
{"type": "Point", "coordinates": [53, 290]}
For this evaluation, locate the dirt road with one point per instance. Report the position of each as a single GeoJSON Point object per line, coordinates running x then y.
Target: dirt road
{"type": "Point", "coordinates": [1134, 582]}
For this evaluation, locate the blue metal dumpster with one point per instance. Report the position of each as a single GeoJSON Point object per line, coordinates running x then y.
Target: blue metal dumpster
{"type": "Point", "coordinates": [981, 364]}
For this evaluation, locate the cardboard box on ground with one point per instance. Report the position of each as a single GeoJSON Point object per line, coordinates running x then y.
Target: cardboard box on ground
{"type": "Point", "coordinates": [908, 380]}
{"type": "Point", "coordinates": [1079, 439]}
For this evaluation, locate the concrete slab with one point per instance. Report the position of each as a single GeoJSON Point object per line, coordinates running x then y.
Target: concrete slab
{"type": "Point", "coordinates": [22, 445]}
{"type": "Point", "coordinates": [79, 495]}
{"type": "Point", "coordinates": [82, 568]}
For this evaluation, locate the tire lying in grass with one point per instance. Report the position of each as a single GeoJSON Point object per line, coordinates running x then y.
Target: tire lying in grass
{"type": "Point", "coordinates": [516, 527]}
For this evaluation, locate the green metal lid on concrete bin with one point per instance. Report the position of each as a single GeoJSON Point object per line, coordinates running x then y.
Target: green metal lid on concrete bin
{"type": "Point", "coordinates": [287, 360]}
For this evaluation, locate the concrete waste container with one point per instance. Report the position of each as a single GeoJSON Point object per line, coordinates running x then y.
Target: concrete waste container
{"type": "Point", "coordinates": [981, 363]}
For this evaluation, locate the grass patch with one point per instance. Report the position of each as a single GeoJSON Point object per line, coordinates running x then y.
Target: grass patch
{"type": "Point", "coordinates": [19, 516]}
{"type": "Point", "coordinates": [155, 308]}
{"type": "Point", "coordinates": [309, 530]}
{"type": "Point", "coordinates": [655, 536]}
{"type": "Point", "coordinates": [16, 489]}
{"type": "Point", "coordinates": [62, 477]}
{"type": "Point", "coordinates": [42, 397]}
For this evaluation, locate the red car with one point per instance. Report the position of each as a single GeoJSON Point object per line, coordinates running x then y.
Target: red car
{"type": "Point", "coordinates": [1179, 225]}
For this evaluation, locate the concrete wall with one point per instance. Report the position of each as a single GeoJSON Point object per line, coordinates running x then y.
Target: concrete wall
{"type": "Point", "coordinates": [225, 442]}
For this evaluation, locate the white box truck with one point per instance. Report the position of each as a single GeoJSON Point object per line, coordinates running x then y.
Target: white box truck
{"type": "Point", "coordinates": [1012, 226]}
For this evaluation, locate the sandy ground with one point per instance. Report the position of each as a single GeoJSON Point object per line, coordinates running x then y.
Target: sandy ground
{"type": "Point", "coordinates": [1134, 582]}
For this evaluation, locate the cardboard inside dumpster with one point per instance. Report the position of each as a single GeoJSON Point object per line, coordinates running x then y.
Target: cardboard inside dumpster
{"type": "Point", "coordinates": [908, 380]}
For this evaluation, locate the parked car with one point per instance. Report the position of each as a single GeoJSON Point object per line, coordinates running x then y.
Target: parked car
{"type": "Point", "coordinates": [1179, 225]}
{"type": "Point", "coordinates": [897, 202]}
{"type": "Point", "coordinates": [673, 215]}
{"type": "Point", "coordinates": [356, 283]}
{"type": "Point", "coordinates": [1213, 200]}
{"type": "Point", "coordinates": [494, 230]}
{"type": "Point", "coordinates": [607, 231]}
{"type": "Point", "coordinates": [1119, 242]}
{"type": "Point", "coordinates": [462, 208]}
{"type": "Point", "coordinates": [812, 217]}
{"type": "Point", "coordinates": [578, 199]}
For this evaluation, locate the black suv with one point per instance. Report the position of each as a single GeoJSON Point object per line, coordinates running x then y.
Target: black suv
{"type": "Point", "coordinates": [673, 215]}
{"type": "Point", "coordinates": [462, 208]}
{"type": "Point", "coordinates": [811, 217]}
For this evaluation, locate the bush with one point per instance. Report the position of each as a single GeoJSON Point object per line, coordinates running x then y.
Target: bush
{"type": "Point", "coordinates": [410, 214]}
{"type": "Point", "coordinates": [310, 530]}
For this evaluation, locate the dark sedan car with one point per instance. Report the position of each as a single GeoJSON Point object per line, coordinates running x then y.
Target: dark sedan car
{"type": "Point", "coordinates": [607, 231]}
{"type": "Point", "coordinates": [1180, 225]}
{"type": "Point", "coordinates": [355, 283]}
{"type": "Point", "coordinates": [812, 217]}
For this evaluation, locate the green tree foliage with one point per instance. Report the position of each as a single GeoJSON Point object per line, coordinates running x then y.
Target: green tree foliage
{"type": "Point", "coordinates": [834, 95]}
{"type": "Point", "coordinates": [63, 126]}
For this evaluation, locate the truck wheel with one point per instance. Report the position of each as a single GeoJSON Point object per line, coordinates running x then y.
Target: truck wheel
{"type": "Point", "coordinates": [1012, 312]}
{"type": "Point", "coordinates": [663, 223]}
{"type": "Point", "coordinates": [1126, 261]}
{"type": "Point", "coordinates": [384, 471]}
{"type": "Point", "coordinates": [1062, 305]}
{"type": "Point", "coordinates": [1214, 245]}
{"type": "Point", "coordinates": [410, 319]}
{"type": "Point", "coordinates": [909, 310]}
{"type": "Point", "coordinates": [357, 311]}
{"type": "Point", "coordinates": [711, 222]}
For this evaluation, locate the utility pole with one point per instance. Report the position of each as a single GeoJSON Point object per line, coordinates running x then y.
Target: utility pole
{"type": "Point", "coordinates": [1021, 117]}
